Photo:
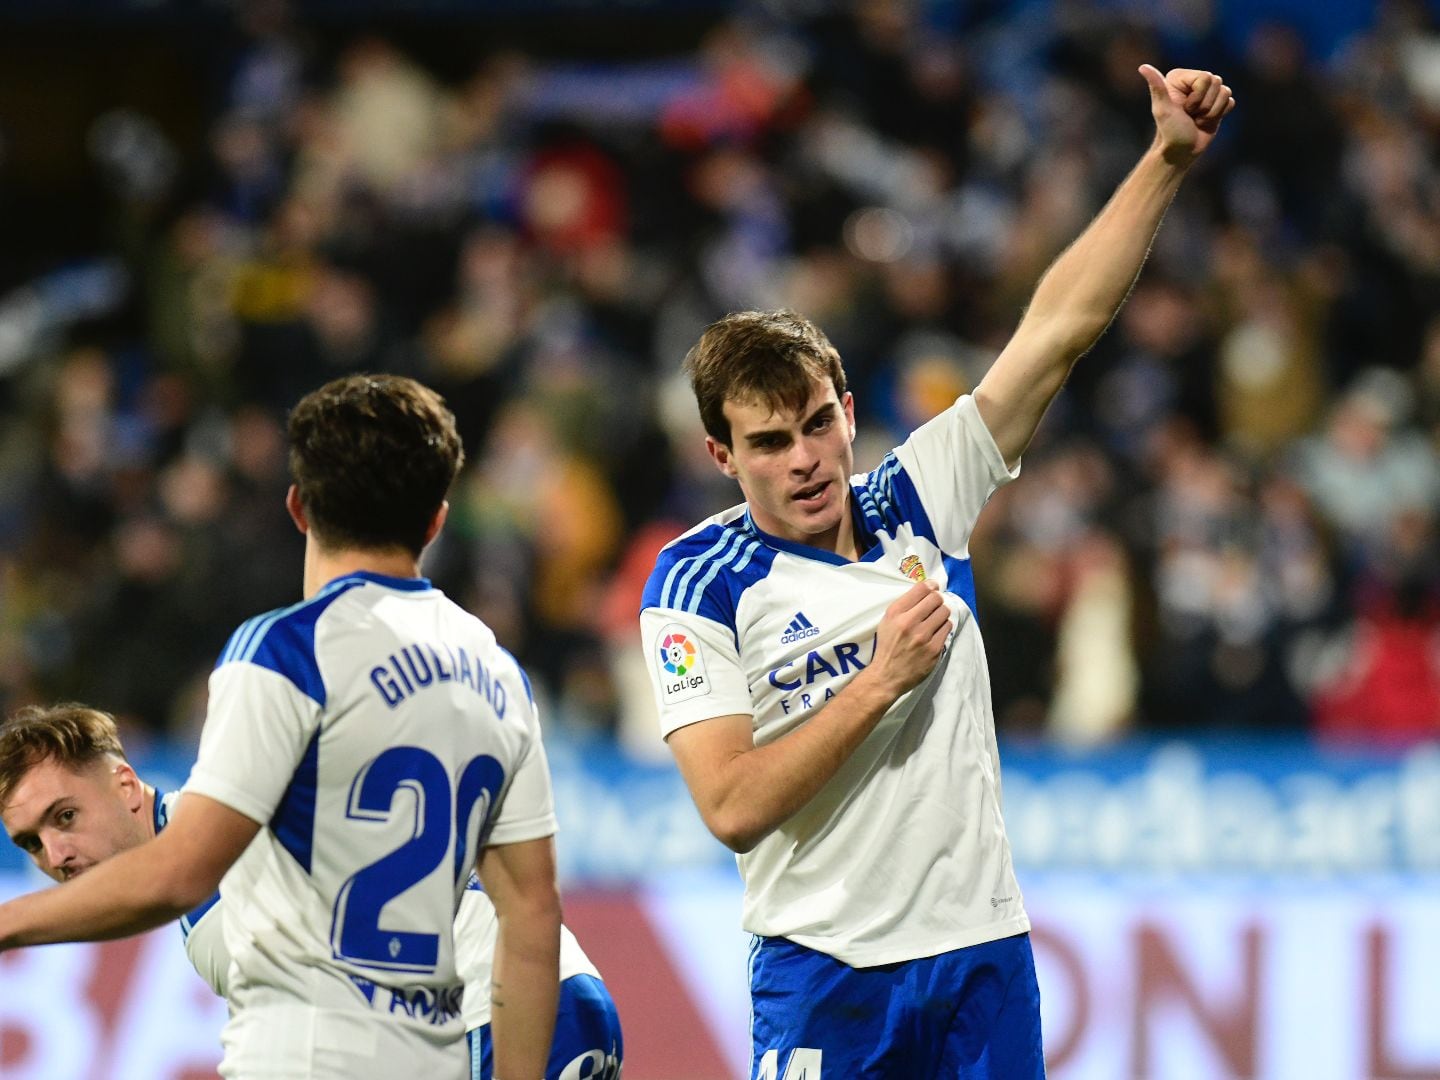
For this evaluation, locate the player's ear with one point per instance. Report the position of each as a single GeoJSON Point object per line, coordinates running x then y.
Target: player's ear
{"type": "Point", "coordinates": [720, 454]}
{"type": "Point", "coordinates": [297, 511]}
{"type": "Point", "coordinates": [129, 786]}
{"type": "Point", "coordinates": [848, 404]}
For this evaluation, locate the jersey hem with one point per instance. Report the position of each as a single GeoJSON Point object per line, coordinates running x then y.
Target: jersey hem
{"type": "Point", "coordinates": [481, 1018]}
{"type": "Point", "coordinates": [864, 958]}
{"type": "Point", "coordinates": [1000, 471]}
{"type": "Point", "coordinates": [519, 833]}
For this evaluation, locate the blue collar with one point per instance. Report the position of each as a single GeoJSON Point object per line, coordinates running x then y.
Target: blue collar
{"type": "Point", "coordinates": [405, 584]}
{"type": "Point", "coordinates": [157, 812]}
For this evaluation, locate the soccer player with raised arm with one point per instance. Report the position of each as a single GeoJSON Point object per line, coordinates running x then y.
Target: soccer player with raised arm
{"type": "Point", "coordinates": [363, 750]}
{"type": "Point", "coordinates": [70, 799]}
{"type": "Point", "coordinates": [822, 681]}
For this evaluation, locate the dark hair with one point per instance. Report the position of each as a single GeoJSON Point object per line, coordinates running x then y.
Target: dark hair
{"type": "Point", "coordinates": [372, 457]}
{"type": "Point", "coordinates": [69, 734]}
{"type": "Point", "coordinates": [771, 357]}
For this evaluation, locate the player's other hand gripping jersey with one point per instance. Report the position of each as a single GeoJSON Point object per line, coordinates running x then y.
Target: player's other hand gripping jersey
{"type": "Point", "coordinates": [903, 854]}
{"type": "Point", "coordinates": [381, 736]}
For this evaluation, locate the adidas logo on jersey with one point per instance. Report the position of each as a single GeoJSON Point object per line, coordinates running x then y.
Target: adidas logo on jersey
{"type": "Point", "coordinates": [799, 629]}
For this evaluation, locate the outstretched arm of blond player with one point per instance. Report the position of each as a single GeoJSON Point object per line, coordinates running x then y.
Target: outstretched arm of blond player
{"type": "Point", "coordinates": [138, 889]}
{"type": "Point", "coordinates": [519, 879]}
{"type": "Point", "coordinates": [743, 792]}
{"type": "Point", "coordinates": [1084, 288]}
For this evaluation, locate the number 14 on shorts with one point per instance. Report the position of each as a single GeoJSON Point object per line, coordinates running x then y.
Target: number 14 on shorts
{"type": "Point", "coordinates": [802, 1063]}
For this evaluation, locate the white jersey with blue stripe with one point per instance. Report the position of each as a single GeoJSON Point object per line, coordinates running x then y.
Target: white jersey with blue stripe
{"type": "Point", "coordinates": [380, 736]}
{"type": "Point", "coordinates": [476, 928]}
{"type": "Point", "coordinates": [475, 931]}
{"type": "Point", "coordinates": [200, 929]}
{"type": "Point", "coordinates": [903, 854]}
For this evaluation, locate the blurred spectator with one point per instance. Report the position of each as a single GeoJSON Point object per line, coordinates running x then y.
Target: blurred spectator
{"type": "Point", "coordinates": [1382, 686]}
{"type": "Point", "coordinates": [1368, 468]}
{"type": "Point", "coordinates": [1228, 520]}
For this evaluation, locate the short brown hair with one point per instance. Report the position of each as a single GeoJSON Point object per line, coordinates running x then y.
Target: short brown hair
{"type": "Point", "coordinates": [69, 734]}
{"type": "Point", "coordinates": [767, 356]}
{"type": "Point", "coordinates": [373, 457]}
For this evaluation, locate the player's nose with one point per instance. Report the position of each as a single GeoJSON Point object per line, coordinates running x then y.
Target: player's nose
{"type": "Point", "coordinates": [58, 850]}
{"type": "Point", "coordinates": [804, 458]}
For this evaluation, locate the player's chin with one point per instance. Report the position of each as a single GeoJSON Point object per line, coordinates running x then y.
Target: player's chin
{"type": "Point", "coordinates": [820, 519]}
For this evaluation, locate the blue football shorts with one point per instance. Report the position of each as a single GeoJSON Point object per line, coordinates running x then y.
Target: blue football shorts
{"type": "Point", "coordinates": [587, 1043]}
{"type": "Point", "coordinates": [970, 1014]}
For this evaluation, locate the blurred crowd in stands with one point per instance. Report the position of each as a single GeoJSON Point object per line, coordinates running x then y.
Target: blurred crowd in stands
{"type": "Point", "coordinates": [1228, 522]}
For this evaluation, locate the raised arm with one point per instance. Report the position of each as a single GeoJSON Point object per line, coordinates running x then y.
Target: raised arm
{"type": "Point", "coordinates": [1084, 288]}
{"type": "Point", "coordinates": [519, 879]}
{"type": "Point", "coordinates": [139, 889]}
{"type": "Point", "coordinates": [744, 792]}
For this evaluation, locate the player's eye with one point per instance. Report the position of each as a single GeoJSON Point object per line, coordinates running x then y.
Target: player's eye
{"type": "Point", "coordinates": [65, 817]}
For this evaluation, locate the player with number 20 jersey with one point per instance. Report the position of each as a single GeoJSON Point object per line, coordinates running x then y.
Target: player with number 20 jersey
{"type": "Point", "coordinates": [363, 752]}
{"type": "Point", "coordinates": [384, 736]}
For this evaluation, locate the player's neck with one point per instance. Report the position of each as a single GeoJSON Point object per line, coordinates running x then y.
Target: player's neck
{"type": "Point", "coordinates": [846, 544]}
{"type": "Point", "coordinates": [323, 567]}
{"type": "Point", "coordinates": [842, 540]}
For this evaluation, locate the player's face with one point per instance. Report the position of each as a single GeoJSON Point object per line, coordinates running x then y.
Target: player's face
{"type": "Point", "coordinates": [67, 820]}
{"type": "Point", "coordinates": [794, 468]}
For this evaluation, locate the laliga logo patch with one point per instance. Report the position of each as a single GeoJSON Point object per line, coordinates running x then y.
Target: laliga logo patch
{"type": "Point", "coordinates": [677, 654]}
{"type": "Point", "coordinates": [681, 665]}
{"type": "Point", "coordinates": [912, 567]}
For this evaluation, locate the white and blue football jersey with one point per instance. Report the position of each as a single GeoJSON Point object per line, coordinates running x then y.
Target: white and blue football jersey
{"type": "Point", "coordinates": [476, 929]}
{"type": "Point", "coordinates": [903, 854]}
{"type": "Point", "coordinates": [201, 929]}
{"type": "Point", "coordinates": [381, 737]}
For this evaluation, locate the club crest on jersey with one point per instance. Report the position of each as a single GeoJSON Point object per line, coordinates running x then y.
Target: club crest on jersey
{"type": "Point", "coordinates": [680, 664]}
{"type": "Point", "coordinates": [913, 568]}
